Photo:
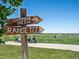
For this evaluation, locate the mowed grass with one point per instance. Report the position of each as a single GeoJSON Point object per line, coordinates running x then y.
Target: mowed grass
{"type": "Point", "coordinates": [14, 52]}
{"type": "Point", "coordinates": [59, 40]}
{"type": "Point", "coordinates": [64, 38]}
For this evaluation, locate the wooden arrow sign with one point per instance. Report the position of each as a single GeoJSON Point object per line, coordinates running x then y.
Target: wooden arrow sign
{"type": "Point", "coordinates": [24, 21]}
{"type": "Point", "coordinates": [25, 30]}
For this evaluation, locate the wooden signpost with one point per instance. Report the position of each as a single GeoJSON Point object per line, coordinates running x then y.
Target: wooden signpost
{"type": "Point", "coordinates": [19, 26]}
{"type": "Point", "coordinates": [24, 40]}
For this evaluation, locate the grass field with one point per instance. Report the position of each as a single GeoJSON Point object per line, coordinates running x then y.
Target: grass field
{"type": "Point", "coordinates": [60, 38]}
{"type": "Point", "coordinates": [14, 52]}
{"type": "Point", "coordinates": [64, 38]}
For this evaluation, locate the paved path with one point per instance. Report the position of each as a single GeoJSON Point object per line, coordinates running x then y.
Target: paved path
{"type": "Point", "coordinates": [46, 45]}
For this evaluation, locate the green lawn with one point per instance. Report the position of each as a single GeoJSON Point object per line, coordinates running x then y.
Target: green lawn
{"type": "Point", "coordinates": [65, 38]}
{"type": "Point", "coordinates": [14, 52]}
{"type": "Point", "coordinates": [59, 39]}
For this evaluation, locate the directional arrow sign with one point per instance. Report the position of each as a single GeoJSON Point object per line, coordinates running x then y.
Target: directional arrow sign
{"type": "Point", "coordinates": [24, 21]}
{"type": "Point", "coordinates": [25, 30]}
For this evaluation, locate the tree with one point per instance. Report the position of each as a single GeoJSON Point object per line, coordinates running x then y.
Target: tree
{"type": "Point", "coordinates": [7, 8]}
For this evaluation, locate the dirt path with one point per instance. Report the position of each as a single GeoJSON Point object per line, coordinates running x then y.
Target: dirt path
{"type": "Point", "coordinates": [46, 45]}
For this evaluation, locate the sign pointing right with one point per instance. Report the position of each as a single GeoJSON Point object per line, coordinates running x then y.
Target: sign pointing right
{"type": "Point", "coordinates": [24, 21]}
{"type": "Point", "coordinates": [25, 30]}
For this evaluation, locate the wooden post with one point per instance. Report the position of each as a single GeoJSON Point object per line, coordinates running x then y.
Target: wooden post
{"type": "Point", "coordinates": [24, 40]}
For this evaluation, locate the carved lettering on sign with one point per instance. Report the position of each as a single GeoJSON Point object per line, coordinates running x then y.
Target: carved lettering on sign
{"type": "Point", "coordinates": [25, 30]}
{"type": "Point", "coordinates": [24, 21]}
